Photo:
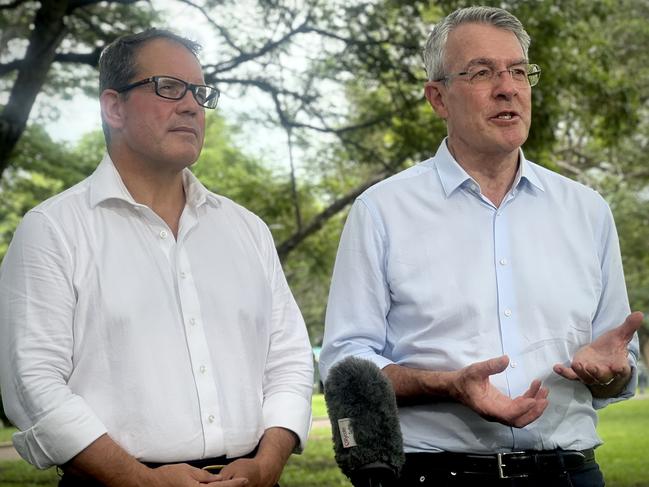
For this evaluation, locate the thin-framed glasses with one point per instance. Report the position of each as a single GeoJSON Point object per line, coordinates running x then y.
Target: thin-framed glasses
{"type": "Point", "coordinates": [483, 75]}
{"type": "Point", "coordinates": [174, 89]}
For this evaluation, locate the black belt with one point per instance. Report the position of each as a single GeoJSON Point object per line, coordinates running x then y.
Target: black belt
{"type": "Point", "coordinates": [503, 465]}
{"type": "Point", "coordinates": [75, 479]}
{"type": "Point", "coordinates": [216, 463]}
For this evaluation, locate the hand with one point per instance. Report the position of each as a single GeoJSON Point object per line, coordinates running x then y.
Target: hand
{"type": "Point", "coordinates": [183, 475]}
{"type": "Point", "coordinates": [252, 469]}
{"type": "Point", "coordinates": [473, 389]}
{"type": "Point", "coordinates": [603, 365]}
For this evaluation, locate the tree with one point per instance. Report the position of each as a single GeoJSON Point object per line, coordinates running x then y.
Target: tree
{"type": "Point", "coordinates": [64, 31]}
{"type": "Point", "coordinates": [345, 81]}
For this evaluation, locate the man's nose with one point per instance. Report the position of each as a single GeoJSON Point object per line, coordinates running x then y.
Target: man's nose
{"type": "Point", "coordinates": [504, 84]}
{"type": "Point", "coordinates": [188, 102]}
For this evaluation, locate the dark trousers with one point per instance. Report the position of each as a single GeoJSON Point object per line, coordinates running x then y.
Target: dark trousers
{"type": "Point", "coordinates": [589, 475]}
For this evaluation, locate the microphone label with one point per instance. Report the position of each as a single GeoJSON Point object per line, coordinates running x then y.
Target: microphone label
{"type": "Point", "coordinates": [346, 432]}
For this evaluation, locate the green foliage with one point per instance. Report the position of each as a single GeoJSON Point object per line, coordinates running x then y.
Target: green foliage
{"type": "Point", "coordinates": [319, 406]}
{"type": "Point", "coordinates": [623, 457]}
{"type": "Point", "coordinates": [227, 170]}
{"type": "Point", "coordinates": [22, 474]}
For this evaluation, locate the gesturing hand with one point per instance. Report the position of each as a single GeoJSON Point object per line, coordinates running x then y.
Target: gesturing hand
{"type": "Point", "coordinates": [473, 389]}
{"type": "Point", "coordinates": [603, 365]}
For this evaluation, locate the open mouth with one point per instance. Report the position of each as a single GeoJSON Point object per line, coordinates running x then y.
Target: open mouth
{"type": "Point", "coordinates": [506, 115]}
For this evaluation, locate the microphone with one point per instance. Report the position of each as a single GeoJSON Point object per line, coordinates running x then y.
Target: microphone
{"type": "Point", "coordinates": [362, 408]}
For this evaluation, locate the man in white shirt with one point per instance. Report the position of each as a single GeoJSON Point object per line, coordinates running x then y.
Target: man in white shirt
{"type": "Point", "coordinates": [147, 327]}
{"type": "Point", "coordinates": [488, 289]}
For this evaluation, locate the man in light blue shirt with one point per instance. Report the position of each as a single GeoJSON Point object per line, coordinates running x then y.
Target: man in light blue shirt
{"type": "Point", "coordinates": [488, 289]}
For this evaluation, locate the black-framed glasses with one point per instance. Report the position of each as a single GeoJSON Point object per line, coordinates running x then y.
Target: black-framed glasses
{"type": "Point", "coordinates": [483, 75]}
{"type": "Point", "coordinates": [174, 89]}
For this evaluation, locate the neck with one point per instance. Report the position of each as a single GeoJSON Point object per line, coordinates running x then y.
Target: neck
{"type": "Point", "coordinates": [494, 173]}
{"type": "Point", "coordinates": [160, 190]}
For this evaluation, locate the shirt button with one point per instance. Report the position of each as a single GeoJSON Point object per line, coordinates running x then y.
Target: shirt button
{"type": "Point", "coordinates": [503, 261]}
{"type": "Point", "coordinates": [211, 418]}
{"type": "Point", "coordinates": [508, 312]}
{"type": "Point", "coordinates": [202, 368]}
{"type": "Point", "coordinates": [513, 364]}
{"type": "Point", "coordinates": [192, 321]}
{"type": "Point", "coordinates": [163, 234]}
{"type": "Point", "coordinates": [183, 274]}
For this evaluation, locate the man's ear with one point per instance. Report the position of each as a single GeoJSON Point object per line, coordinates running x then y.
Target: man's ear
{"type": "Point", "coordinates": [111, 109]}
{"type": "Point", "coordinates": [434, 95]}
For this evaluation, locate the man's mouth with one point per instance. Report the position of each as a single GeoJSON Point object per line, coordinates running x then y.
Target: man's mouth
{"type": "Point", "coordinates": [185, 129]}
{"type": "Point", "coordinates": [506, 115]}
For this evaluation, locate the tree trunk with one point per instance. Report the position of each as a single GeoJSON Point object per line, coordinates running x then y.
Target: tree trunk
{"type": "Point", "coordinates": [47, 34]}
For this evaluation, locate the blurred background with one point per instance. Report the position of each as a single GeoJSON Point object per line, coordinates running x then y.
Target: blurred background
{"type": "Point", "coordinates": [321, 99]}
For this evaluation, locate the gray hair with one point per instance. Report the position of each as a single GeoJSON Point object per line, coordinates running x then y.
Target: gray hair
{"type": "Point", "coordinates": [436, 44]}
{"type": "Point", "coordinates": [117, 63]}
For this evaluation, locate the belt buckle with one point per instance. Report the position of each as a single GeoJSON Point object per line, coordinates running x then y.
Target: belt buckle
{"type": "Point", "coordinates": [501, 465]}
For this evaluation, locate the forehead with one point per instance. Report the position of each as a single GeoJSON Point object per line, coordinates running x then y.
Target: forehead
{"type": "Point", "coordinates": [473, 41]}
{"type": "Point", "coordinates": [167, 57]}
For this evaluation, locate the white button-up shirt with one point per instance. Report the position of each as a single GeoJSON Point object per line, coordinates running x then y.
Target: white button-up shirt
{"type": "Point", "coordinates": [430, 275]}
{"type": "Point", "coordinates": [179, 349]}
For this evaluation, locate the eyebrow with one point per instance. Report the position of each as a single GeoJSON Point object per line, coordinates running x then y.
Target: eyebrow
{"type": "Point", "coordinates": [490, 62]}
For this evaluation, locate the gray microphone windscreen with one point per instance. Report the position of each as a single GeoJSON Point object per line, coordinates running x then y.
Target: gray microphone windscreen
{"type": "Point", "coordinates": [364, 422]}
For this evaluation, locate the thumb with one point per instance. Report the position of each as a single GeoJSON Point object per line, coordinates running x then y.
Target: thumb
{"type": "Point", "coordinates": [632, 324]}
{"type": "Point", "coordinates": [492, 366]}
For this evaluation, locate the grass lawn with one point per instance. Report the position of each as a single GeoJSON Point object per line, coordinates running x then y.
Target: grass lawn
{"type": "Point", "coordinates": [624, 457]}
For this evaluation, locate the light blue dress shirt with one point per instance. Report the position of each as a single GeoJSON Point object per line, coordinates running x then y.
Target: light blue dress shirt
{"type": "Point", "coordinates": [431, 275]}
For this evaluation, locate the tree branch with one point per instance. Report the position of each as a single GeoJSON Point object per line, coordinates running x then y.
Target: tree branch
{"type": "Point", "coordinates": [11, 5]}
{"type": "Point", "coordinates": [224, 33]}
{"type": "Point", "coordinates": [288, 245]}
{"type": "Point", "coordinates": [75, 4]}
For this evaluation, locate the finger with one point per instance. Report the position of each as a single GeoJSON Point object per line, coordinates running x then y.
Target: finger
{"type": "Point", "coordinates": [566, 372]}
{"type": "Point", "coordinates": [588, 376]}
{"type": "Point", "coordinates": [507, 410]}
{"type": "Point", "coordinates": [533, 390]}
{"type": "Point", "coordinates": [632, 324]}
{"type": "Point", "coordinates": [492, 366]}
{"type": "Point", "coordinates": [204, 476]}
{"type": "Point", "coordinates": [622, 369]}
{"type": "Point", "coordinates": [532, 414]}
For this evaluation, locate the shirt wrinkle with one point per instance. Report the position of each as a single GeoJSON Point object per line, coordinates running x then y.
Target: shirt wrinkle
{"type": "Point", "coordinates": [168, 346]}
{"type": "Point", "coordinates": [454, 281]}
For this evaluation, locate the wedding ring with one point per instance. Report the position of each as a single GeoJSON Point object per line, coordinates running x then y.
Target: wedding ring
{"type": "Point", "coordinates": [608, 382]}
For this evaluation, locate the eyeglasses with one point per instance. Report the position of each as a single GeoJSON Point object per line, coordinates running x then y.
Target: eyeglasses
{"type": "Point", "coordinates": [174, 89]}
{"type": "Point", "coordinates": [484, 75]}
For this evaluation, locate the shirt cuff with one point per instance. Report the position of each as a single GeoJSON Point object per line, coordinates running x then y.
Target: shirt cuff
{"type": "Point", "coordinates": [60, 435]}
{"type": "Point", "coordinates": [290, 411]}
{"type": "Point", "coordinates": [628, 392]}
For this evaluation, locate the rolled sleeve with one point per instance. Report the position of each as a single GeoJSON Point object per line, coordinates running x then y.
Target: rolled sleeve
{"type": "Point", "coordinates": [37, 301]}
{"type": "Point", "coordinates": [289, 411]}
{"type": "Point", "coordinates": [60, 435]}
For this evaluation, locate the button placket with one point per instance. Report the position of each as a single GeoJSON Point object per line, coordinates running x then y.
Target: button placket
{"type": "Point", "coordinates": [199, 353]}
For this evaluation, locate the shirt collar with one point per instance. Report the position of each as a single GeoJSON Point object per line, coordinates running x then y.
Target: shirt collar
{"type": "Point", "coordinates": [452, 175]}
{"type": "Point", "coordinates": [106, 184]}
